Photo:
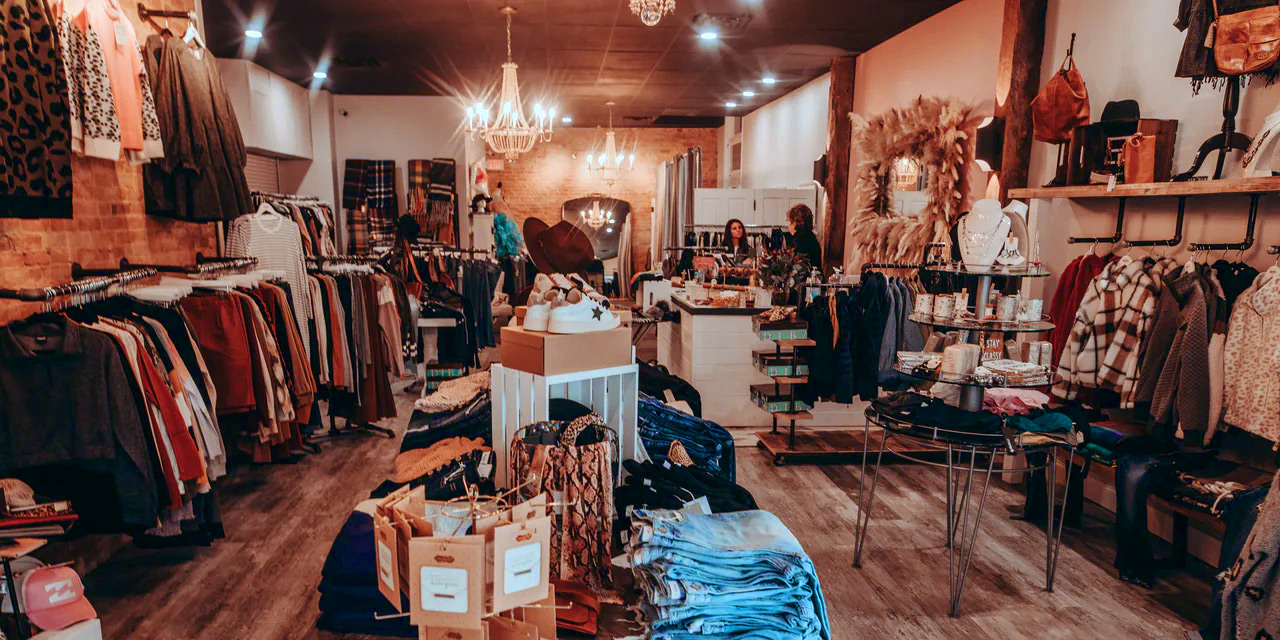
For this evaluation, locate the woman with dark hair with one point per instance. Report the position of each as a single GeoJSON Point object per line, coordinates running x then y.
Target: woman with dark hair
{"type": "Point", "coordinates": [735, 240]}
{"type": "Point", "coordinates": [800, 220]}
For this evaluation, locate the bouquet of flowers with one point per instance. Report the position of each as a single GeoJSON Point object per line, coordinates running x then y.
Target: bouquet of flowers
{"type": "Point", "coordinates": [783, 270]}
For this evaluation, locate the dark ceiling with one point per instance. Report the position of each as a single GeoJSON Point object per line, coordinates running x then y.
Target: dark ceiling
{"type": "Point", "coordinates": [576, 54]}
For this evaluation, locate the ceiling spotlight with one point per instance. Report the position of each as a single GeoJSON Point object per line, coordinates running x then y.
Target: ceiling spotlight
{"type": "Point", "coordinates": [609, 230]}
{"type": "Point", "coordinates": [319, 75]}
{"type": "Point", "coordinates": [566, 120]}
{"type": "Point", "coordinates": [748, 94]}
{"type": "Point", "coordinates": [730, 104]}
{"type": "Point", "coordinates": [252, 34]}
{"type": "Point", "coordinates": [768, 80]}
{"type": "Point", "coordinates": [709, 35]}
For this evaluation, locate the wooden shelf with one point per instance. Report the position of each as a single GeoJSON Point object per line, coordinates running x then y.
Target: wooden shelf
{"type": "Point", "coordinates": [803, 415]}
{"type": "Point", "coordinates": [791, 379]}
{"type": "Point", "coordinates": [1232, 186]}
{"type": "Point", "coordinates": [796, 343]}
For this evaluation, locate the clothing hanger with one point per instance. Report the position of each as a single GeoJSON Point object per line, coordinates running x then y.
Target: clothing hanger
{"type": "Point", "coordinates": [193, 34]}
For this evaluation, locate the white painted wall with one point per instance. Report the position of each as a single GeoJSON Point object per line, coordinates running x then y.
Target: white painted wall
{"type": "Point", "coordinates": [781, 140]}
{"type": "Point", "coordinates": [953, 53]}
{"type": "Point", "coordinates": [318, 176]}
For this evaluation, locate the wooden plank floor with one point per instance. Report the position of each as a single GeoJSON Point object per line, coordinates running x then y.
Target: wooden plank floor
{"type": "Point", "coordinates": [261, 581]}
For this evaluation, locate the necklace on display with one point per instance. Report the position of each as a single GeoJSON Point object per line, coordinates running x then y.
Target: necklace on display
{"type": "Point", "coordinates": [971, 240]}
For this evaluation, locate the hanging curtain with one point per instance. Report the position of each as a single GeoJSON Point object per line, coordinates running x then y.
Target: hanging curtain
{"type": "Point", "coordinates": [658, 226]}
{"type": "Point", "coordinates": [624, 259]}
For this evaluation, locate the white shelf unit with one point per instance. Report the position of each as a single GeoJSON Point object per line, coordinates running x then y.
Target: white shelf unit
{"type": "Point", "coordinates": [521, 398]}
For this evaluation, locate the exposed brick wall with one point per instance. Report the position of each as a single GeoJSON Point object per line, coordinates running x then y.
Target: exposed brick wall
{"type": "Point", "coordinates": [109, 220]}
{"type": "Point", "coordinates": [540, 182]}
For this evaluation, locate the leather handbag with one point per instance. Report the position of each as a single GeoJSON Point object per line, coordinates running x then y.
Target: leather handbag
{"type": "Point", "coordinates": [1062, 105]}
{"type": "Point", "coordinates": [1246, 41]}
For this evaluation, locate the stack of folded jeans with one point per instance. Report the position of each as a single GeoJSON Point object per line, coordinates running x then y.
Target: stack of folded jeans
{"type": "Point", "coordinates": [729, 576]}
{"type": "Point", "coordinates": [709, 444]}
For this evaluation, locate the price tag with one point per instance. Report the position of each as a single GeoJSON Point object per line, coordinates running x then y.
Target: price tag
{"type": "Point", "coordinates": [122, 34]}
{"type": "Point", "coordinates": [384, 565]}
{"type": "Point", "coordinates": [522, 568]}
{"type": "Point", "coordinates": [444, 590]}
{"type": "Point", "coordinates": [698, 507]}
{"type": "Point", "coordinates": [1111, 183]}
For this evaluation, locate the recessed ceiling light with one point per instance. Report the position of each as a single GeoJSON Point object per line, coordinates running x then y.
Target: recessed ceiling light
{"type": "Point", "coordinates": [768, 80]}
{"type": "Point", "coordinates": [566, 120]}
{"type": "Point", "coordinates": [730, 104]}
{"type": "Point", "coordinates": [319, 75]}
{"type": "Point", "coordinates": [709, 35]}
{"type": "Point", "coordinates": [748, 94]}
{"type": "Point", "coordinates": [252, 34]}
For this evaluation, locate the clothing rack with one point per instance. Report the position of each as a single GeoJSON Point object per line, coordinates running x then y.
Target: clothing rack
{"type": "Point", "coordinates": [747, 226]}
{"type": "Point", "coordinates": [1235, 246]}
{"type": "Point", "coordinates": [320, 260]}
{"type": "Point", "coordinates": [77, 287]}
{"type": "Point", "coordinates": [259, 196]}
{"type": "Point", "coordinates": [870, 266]}
{"type": "Point", "coordinates": [145, 13]}
{"type": "Point", "coordinates": [200, 268]}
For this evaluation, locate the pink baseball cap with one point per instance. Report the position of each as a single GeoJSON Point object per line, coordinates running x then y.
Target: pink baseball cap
{"type": "Point", "coordinates": [54, 598]}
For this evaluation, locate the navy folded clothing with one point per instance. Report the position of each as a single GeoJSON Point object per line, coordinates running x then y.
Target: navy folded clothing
{"type": "Point", "coordinates": [351, 559]}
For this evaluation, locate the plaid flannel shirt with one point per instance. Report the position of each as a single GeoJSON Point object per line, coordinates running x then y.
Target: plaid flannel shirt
{"type": "Point", "coordinates": [1119, 369]}
{"type": "Point", "coordinates": [1107, 337]}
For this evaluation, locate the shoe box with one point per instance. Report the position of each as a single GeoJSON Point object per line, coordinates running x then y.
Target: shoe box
{"type": "Point", "coordinates": [549, 354]}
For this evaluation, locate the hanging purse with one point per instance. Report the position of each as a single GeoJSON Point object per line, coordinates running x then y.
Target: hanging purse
{"type": "Point", "coordinates": [548, 457]}
{"type": "Point", "coordinates": [1062, 105]}
{"type": "Point", "coordinates": [1246, 41]}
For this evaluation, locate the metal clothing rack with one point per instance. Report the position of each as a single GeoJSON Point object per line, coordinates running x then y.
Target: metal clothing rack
{"type": "Point", "coordinates": [201, 268]}
{"type": "Point", "coordinates": [747, 226]}
{"type": "Point", "coordinates": [79, 287]}
{"type": "Point", "coordinates": [322, 260]}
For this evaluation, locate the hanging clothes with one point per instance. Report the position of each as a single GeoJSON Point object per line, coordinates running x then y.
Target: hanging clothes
{"type": "Point", "coordinates": [35, 161]}
{"type": "Point", "coordinates": [102, 29]}
{"type": "Point", "coordinates": [201, 178]}
{"type": "Point", "coordinates": [277, 244]}
{"type": "Point", "coordinates": [142, 412]}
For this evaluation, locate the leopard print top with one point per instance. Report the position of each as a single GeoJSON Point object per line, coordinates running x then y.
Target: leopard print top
{"type": "Point", "coordinates": [35, 157]}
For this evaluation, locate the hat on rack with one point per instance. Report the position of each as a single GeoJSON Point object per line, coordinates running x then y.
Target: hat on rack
{"type": "Point", "coordinates": [562, 248]}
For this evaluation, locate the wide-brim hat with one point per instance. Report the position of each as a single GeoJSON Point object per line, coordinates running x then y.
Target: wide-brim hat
{"type": "Point", "coordinates": [562, 248]}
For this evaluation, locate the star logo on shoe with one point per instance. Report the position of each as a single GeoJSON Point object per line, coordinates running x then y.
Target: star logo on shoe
{"type": "Point", "coordinates": [597, 313]}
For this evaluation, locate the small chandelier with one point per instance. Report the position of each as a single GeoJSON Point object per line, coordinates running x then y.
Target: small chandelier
{"type": "Point", "coordinates": [595, 217]}
{"type": "Point", "coordinates": [511, 134]}
{"type": "Point", "coordinates": [651, 11]}
{"type": "Point", "coordinates": [611, 165]}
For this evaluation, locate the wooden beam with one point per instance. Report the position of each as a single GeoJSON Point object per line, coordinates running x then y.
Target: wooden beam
{"type": "Point", "coordinates": [839, 141]}
{"type": "Point", "coordinates": [1017, 82]}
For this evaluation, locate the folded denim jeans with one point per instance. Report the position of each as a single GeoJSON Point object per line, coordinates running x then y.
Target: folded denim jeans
{"type": "Point", "coordinates": [725, 575]}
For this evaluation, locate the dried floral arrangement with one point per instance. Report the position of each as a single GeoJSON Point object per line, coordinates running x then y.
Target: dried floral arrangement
{"type": "Point", "coordinates": [935, 132]}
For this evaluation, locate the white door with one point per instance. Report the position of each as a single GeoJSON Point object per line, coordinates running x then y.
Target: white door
{"type": "Point", "coordinates": [717, 206]}
{"type": "Point", "coordinates": [773, 204]}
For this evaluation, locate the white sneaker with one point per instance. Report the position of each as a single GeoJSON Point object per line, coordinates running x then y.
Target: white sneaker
{"type": "Point", "coordinates": [581, 314]}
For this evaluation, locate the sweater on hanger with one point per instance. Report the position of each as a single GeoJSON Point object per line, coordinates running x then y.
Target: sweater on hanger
{"type": "Point", "coordinates": [276, 242]}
